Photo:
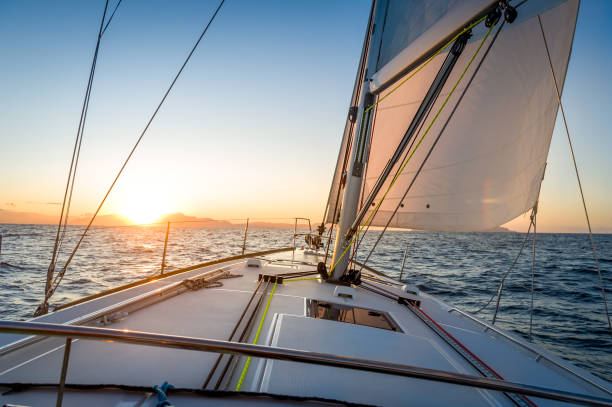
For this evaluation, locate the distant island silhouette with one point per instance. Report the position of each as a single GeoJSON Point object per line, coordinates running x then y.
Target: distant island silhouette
{"type": "Point", "coordinates": [177, 219]}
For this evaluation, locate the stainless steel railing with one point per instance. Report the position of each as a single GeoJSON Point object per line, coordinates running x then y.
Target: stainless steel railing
{"type": "Point", "coordinates": [218, 346]}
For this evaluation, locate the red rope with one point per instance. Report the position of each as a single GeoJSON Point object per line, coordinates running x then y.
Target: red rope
{"type": "Point", "coordinates": [468, 351]}
{"type": "Point", "coordinates": [455, 340]}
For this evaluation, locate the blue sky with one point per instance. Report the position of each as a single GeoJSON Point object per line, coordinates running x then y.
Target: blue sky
{"type": "Point", "coordinates": [253, 126]}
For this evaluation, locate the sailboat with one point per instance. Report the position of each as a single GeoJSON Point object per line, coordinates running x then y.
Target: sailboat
{"type": "Point", "coordinates": [448, 129]}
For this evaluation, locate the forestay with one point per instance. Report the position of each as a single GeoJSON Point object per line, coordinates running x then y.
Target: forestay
{"type": "Point", "coordinates": [488, 165]}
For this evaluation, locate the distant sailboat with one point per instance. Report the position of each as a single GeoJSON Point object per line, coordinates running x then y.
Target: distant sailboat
{"type": "Point", "coordinates": [449, 128]}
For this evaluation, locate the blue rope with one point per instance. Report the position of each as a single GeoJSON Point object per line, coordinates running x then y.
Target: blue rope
{"type": "Point", "coordinates": [162, 399]}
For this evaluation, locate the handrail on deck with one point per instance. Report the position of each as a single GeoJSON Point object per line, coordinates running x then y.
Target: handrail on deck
{"type": "Point", "coordinates": [530, 348]}
{"type": "Point", "coordinates": [219, 346]}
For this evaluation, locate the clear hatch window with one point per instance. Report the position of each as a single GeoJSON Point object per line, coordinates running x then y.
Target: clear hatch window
{"type": "Point", "coordinates": [350, 315]}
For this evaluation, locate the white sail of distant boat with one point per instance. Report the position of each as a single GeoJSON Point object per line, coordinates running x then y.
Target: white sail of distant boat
{"type": "Point", "coordinates": [449, 128]}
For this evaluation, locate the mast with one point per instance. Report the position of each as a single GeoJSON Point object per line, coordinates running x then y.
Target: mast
{"type": "Point", "coordinates": [355, 171]}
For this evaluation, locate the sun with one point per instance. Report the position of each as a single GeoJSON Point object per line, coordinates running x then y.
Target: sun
{"type": "Point", "coordinates": [141, 208]}
{"type": "Point", "coordinates": [143, 214]}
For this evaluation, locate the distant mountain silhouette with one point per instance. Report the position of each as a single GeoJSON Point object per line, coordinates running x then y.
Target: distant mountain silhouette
{"type": "Point", "coordinates": [180, 219]}
{"type": "Point", "coordinates": [177, 219]}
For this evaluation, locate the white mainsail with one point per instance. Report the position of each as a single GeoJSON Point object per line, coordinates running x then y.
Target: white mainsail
{"type": "Point", "coordinates": [487, 167]}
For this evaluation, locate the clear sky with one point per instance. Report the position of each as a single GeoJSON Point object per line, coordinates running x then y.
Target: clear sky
{"type": "Point", "coordinates": [253, 126]}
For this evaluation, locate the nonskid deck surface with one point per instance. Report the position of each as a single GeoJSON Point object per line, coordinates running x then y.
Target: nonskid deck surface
{"type": "Point", "coordinates": [289, 323]}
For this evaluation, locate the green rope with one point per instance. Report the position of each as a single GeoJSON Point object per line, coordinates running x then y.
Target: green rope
{"type": "Point", "coordinates": [301, 279]}
{"type": "Point", "coordinates": [263, 317]}
{"type": "Point", "coordinates": [369, 219]}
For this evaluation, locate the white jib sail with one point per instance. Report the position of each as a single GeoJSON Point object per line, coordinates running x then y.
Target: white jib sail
{"type": "Point", "coordinates": [488, 165]}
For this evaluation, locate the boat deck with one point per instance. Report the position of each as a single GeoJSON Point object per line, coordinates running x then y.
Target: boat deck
{"type": "Point", "coordinates": [376, 327]}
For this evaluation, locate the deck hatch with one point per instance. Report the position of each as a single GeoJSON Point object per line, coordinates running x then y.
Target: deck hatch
{"type": "Point", "coordinates": [350, 315]}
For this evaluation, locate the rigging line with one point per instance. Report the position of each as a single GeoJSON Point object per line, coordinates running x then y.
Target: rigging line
{"type": "Point", "coordinates": [425, 118]}
{"type": "Point", "coordinates": [413, 73]}
{"type": "Point", "coordinates": [370, 217]}
{"type": "Point", "coordinates": [466, 29]}
{"type": "Point", "coordinates": [349, 146]}
{"type": "Point", "coordinates": [367, 150]}
{"type": "Point", "coordinates": [139, 139]}
{"type": "Point", "coordinates": [111, 16]}
{"type": "Point", "coordinates": [367, 110]}
{"type": "Point", "coordinates": [410, 76]}
{"type": "Point", "coordinates": [80, 141]}
{"type": "Point", "coordinates": [439, 81]}
{"type": "Point", "coordinates": [498, 292]}
{"type": "Point", "coordinates": [438, 136]}
{"type": "Point", "coordinates": [81, 128]}
{"type": "Point", "coordinates": [357, 90]}
{"type": "Point", "coordinates": [533, 251]}
{"type": "Point", "coordinates": [72, 164]}
{"type": "Point", "coordinates": [365, 173]}
{"type": "Point", "coordinates": [586, 213]}
{"type": "Point", "coordinates": [83, 119]}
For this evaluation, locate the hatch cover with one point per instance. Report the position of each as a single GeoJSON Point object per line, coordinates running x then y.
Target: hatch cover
{"type": "Point", "coordinates": [350, 315]}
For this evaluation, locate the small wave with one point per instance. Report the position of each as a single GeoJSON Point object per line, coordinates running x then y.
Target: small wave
{"type": "Point", "coordinates": [462, 269]}
{"type": "Point", "coordinates": [24, 234]}
{"type": "Point", "coordinates": [82, 281]}
{"type": "Point", "coordinates": [7, 265]}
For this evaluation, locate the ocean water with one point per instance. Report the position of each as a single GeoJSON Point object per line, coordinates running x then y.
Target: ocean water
{"type": "Point", "coordinates": [463, 269]}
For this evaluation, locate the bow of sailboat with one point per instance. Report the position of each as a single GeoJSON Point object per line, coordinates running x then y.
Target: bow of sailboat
{"type": "Point", "coordinates": [280, 302]}
{"type": "Point", "coordinates": [448, 129]}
